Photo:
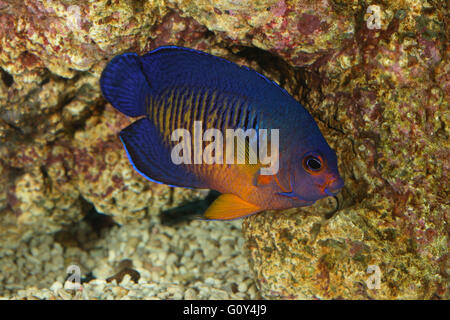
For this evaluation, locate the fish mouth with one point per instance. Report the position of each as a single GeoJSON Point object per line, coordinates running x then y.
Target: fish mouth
{"type": "Point", "coordinates": [333, 187]}
{"type": "Point", "coordinates": [332, 191]}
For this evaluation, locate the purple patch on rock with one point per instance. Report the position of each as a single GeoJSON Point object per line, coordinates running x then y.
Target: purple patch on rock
{"type": "Point", "coordinates": [308, 23]}
{"type": "Point", "coordinates": [279, 9]}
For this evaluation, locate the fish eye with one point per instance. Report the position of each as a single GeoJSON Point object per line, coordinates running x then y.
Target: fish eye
{"type": "Point", "coordinates": [312, 164]}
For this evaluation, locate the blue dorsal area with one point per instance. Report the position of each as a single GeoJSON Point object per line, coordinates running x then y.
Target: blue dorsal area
{"type": "Point", "coordinates": [130, 80]}
{"type": "Point", "coordinates": [152, 159]}
{"type": "Point", "coordinates": [124, 85]}
{"type": "Point", "coordinates": [174, 66]}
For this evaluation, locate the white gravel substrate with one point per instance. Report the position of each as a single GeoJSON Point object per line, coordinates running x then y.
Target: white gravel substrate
{"type": "Point", "coordinates": [195, 260]}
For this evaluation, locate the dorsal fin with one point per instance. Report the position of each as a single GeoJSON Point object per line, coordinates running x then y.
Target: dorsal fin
{"type": "Point", "coordinates": [173, 66]}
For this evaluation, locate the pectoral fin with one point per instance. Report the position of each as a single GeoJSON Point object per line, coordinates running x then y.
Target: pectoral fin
{"type": "Point", "coordinates": [229, 206]}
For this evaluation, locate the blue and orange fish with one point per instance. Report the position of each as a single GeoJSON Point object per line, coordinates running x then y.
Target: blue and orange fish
{"type": "Point", "coordinates": [175, 87]}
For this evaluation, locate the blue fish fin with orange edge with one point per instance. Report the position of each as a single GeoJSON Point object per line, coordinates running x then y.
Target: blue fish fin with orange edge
{"type": "Point", "coordinates": [152, 159]}
{"type": "Point", "coordinates": [229, 207]}
{"type": "Point", "coordinates": [125, 86]}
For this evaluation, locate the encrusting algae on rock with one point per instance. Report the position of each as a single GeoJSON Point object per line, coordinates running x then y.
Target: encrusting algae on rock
{"type": "Point", "coordinates": [379, 96]}
{"type": "Point", "coordinates": [384, 96]}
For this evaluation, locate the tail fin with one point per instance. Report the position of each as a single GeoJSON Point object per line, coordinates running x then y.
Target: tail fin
{"type": "Point", "coordinates": [124, 85]}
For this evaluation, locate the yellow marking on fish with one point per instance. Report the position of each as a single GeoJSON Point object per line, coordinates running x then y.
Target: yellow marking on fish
{"type": "Point", "coordinates": [227, 118]}
{"type": "Point", "coordinates": [155, 108]}
{"type": "Point", "coordinates": [245, 115]}
{"type": "Point", "coordinates": [226, 114]}
{"type": "Point", "coordinates": [160, 114]}
{"type": "Point", "coordinates": [174, 115]}
{"type": "Point", "coordinates": [170, 103]}
{"type": "Point", "coordinates": [182, 104]}
{"type": "Point", "coordinates": [213, 100]}
{"type": "Point", "coordinates": [235, 108]}
{"type": "Point", "coordinates": [177, 116]}
{"type": "Point", "coordinates": [213, 118]}
{"type": "Point", "coordinates": [173, 119]}
{"type": "Point", "coordinates": [212, 111]}
{"type": "Point", "coordinates": [187, 119]}
{"type": "Point", "coordinates": [200, 107]}
{"type": "Point", "coordinates": [204, 106]}
{"type": "Point", "coordinates": [188, 105]}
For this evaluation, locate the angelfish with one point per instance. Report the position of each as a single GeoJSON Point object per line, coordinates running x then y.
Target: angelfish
{"type": "Point", "coordinates": [174, 88]}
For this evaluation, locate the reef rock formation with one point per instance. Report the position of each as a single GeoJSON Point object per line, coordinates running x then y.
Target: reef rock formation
{"type": "Point", "coordinates": [58, 142]}
{"type": "Point", "coordinates": [374, 76]}
{"type": "Point", "coordinates": [382, 98]}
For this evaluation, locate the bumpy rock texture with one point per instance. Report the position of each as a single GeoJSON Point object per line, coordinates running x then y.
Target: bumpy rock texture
{"type": "Point", "coordinates": [380, 96]}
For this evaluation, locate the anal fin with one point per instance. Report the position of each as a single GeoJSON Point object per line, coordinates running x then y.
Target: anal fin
{"type": "Point", "coordinates": [228, 207]}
